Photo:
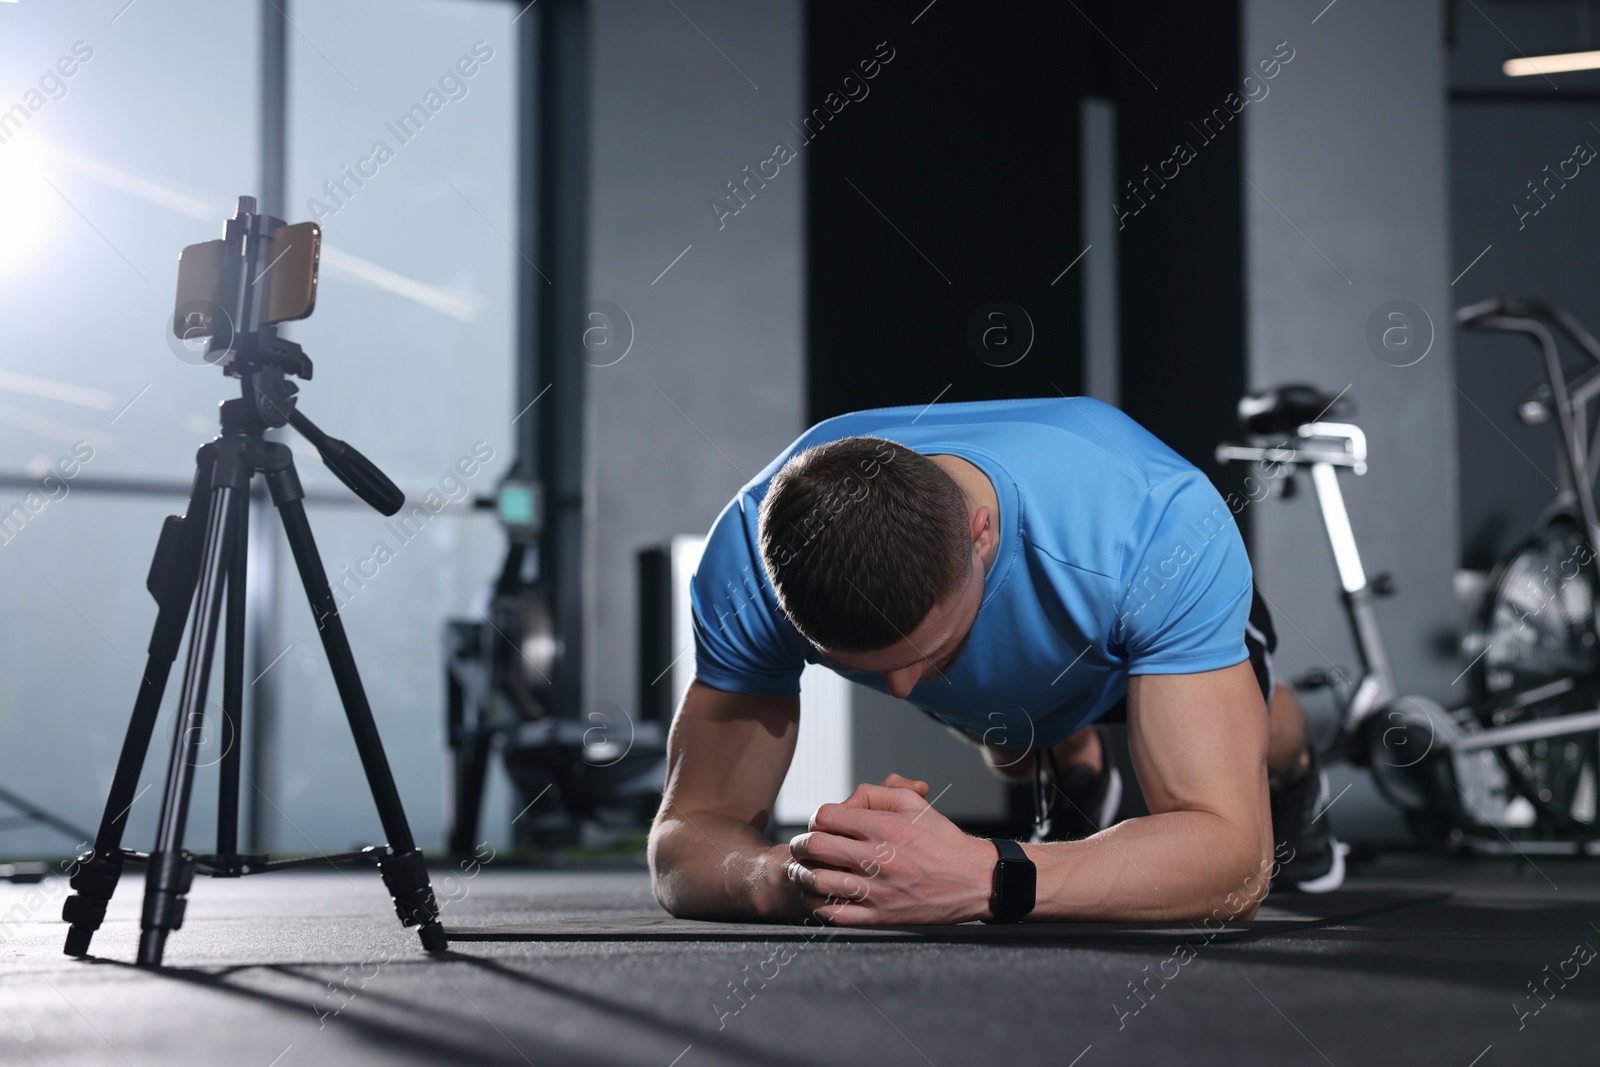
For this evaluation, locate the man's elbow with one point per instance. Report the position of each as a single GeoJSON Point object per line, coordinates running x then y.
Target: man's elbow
{"type": "Point", "coordinates": [1258, 869]}
{"type": "Point", "coordinates": [667, 870]}
{"type": "Point", "coordinates": [669, 894]}
{"type": "Point", "coordinates": [688, 883]}
{"type": "Point", "coordinates": [1244, 878]}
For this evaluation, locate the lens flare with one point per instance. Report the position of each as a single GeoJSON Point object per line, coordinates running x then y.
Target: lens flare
{"type": "Point", "coordinates": [29, 208]}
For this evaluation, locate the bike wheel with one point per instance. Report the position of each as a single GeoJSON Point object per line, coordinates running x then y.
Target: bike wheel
{"type": "Point", "coordinates": [1535, 628]}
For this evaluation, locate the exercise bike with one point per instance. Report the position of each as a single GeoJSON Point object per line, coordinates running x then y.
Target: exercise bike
{"type": "Point", "coordinates": [1520, 757]}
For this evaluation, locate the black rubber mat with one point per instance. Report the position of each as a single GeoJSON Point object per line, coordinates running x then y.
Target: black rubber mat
{"type": "Point", "coordinates": [1278, 914]}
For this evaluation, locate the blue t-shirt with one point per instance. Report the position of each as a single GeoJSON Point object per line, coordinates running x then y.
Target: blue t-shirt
{"type": "Point", "coordinates": [1115, 557]}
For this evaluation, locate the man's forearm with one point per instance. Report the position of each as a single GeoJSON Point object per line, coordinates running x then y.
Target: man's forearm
{"type": "Point", "coordinates": [1169, 867]}
{"type": "Point", "coordinates": [709, 866]}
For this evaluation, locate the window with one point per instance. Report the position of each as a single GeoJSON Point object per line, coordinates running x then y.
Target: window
{"type": "Point", "coordinates": [128, 135]}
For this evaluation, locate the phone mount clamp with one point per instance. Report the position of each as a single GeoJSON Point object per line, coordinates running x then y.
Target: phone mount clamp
{"type": "Point", "coordinates": [207, 550]}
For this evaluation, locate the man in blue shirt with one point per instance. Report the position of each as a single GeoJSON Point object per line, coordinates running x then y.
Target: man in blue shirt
{"type": "Point", "coordinates": [1019, 570]}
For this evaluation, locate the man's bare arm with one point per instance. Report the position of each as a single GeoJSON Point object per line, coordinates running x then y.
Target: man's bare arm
{"type": "Point", "coordinates": [727, 755]}
{"type": "Point", "coordinates": [1199, 746]}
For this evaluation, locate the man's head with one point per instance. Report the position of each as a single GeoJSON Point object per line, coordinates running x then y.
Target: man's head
{"type": "Point", "coordinates": [876, 555]}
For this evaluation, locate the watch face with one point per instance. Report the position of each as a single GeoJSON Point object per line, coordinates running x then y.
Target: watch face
{"type": "Point", "coordinates": [1015, 882]}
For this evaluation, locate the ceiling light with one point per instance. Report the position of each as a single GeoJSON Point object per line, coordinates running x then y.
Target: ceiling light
{"type": "Point", "coordinates": [1556, 64]}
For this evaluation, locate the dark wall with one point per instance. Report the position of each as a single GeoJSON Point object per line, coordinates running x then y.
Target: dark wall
{"type": "Point", "coordinates": [1182, 255]}
{"type": "Point", "coordinates": [968, 149]}
{"type": "Point", "coordinates": [1504, 132]}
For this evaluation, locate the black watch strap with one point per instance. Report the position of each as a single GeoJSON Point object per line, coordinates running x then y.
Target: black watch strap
{"type": "Point", "coordinates": [1011, 897]}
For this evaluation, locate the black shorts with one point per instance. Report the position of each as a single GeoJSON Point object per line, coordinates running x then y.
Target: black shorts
{"type": "Point", "coordinates": [1260, 639]}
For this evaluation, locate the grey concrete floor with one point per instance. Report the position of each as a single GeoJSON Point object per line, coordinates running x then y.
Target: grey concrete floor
{"type": "Point", "coordinates": [312, 968]}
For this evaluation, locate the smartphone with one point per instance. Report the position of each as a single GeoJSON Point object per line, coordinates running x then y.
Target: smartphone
{"type": "Point", "coordinates": [289, 274]}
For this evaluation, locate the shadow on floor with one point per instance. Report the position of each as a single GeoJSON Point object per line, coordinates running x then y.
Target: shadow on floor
{"type": "Point", "coordinates": [431, 1025]}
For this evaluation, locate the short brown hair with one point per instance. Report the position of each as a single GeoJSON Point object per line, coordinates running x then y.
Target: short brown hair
{"type": "Point", "coordinates": [860, 538]}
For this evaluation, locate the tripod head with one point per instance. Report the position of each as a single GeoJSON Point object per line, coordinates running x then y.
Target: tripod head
{"type": "Point", "coordinates": [233, 292]}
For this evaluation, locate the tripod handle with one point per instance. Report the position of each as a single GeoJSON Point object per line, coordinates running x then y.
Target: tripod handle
{"type": "Point", "coordinates": [356, 471]}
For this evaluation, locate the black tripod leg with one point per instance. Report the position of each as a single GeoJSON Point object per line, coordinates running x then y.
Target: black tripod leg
{"type": "Point", "coordinates": [233, 684]}
{"type": "Point", "coordinates": [405, 873]}
{"type": "Point", "coordinates": [171, 582]}
{"type": "Point", "coordinates": [171, 869]}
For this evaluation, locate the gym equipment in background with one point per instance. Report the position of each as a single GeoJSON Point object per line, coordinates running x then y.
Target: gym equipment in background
{"type": "Point", "coordinates": [225, 294]}
{"type": "Point", "coordinates": [1534, 648]}
{"type": "Point", "coordinates": [598, 768]}
{"type": "Point", "coordinates": [1527, 738]}
{"type": "Point", "coordinates": [31, 814]}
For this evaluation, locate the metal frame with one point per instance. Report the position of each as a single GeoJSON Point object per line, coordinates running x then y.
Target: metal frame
{"type": "Point", "coordinates": [1376, 686]}
{"type": "Point", "coordinates": [261, 616]}
{"type": "Point", "coordinates": [555, 119]}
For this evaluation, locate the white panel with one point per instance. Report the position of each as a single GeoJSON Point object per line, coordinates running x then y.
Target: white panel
{"type": "Point", "coordinates": [686, 553]}
{"type": "Point", "coordinates": [820, 773]}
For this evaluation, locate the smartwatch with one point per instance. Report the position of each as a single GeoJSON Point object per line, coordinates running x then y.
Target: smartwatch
{"type": "Point", "coordinates": [1015, 881]}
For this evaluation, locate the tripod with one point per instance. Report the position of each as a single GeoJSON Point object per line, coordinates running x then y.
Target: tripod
{"type": "Point", "coordinates": [207, 549]}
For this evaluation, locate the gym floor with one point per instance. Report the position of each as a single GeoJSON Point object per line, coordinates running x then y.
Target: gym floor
{"type": "Point", "coordinates": [251, 982]}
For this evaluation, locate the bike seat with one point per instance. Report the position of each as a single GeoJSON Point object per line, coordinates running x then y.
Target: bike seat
{"type": "Point", "coordinates": [1284, 408]}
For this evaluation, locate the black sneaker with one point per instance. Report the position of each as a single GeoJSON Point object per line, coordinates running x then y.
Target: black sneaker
{"type": "Point", "coordinates": [1076, 804]}
{"type": "Point", "coordinates": [1310, 859]}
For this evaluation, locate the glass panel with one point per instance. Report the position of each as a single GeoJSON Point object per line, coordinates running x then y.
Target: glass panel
{"type": "Point", "coordinates": [393, 606]}
{"type": "Point", "coordinates": [402, 125]}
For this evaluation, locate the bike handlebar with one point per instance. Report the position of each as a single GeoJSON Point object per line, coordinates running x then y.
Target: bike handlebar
{"type": "Point", "coordinates": [1484, 315]}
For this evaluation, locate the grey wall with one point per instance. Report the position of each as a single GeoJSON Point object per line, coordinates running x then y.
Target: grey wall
{"type": "Point", "coordinates": [891, 735]}
{"type": "Point", "coordinates": [1350, 150]}
{"type": "Point", "coordinates": [712, 387]}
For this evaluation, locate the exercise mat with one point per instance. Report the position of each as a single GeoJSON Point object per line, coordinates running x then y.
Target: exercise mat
{"type": "Point", "coordinates": [1280, 913]}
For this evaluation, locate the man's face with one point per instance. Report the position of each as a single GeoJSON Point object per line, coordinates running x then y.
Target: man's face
{"type": "Point", "coordinates": [929, 651]}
